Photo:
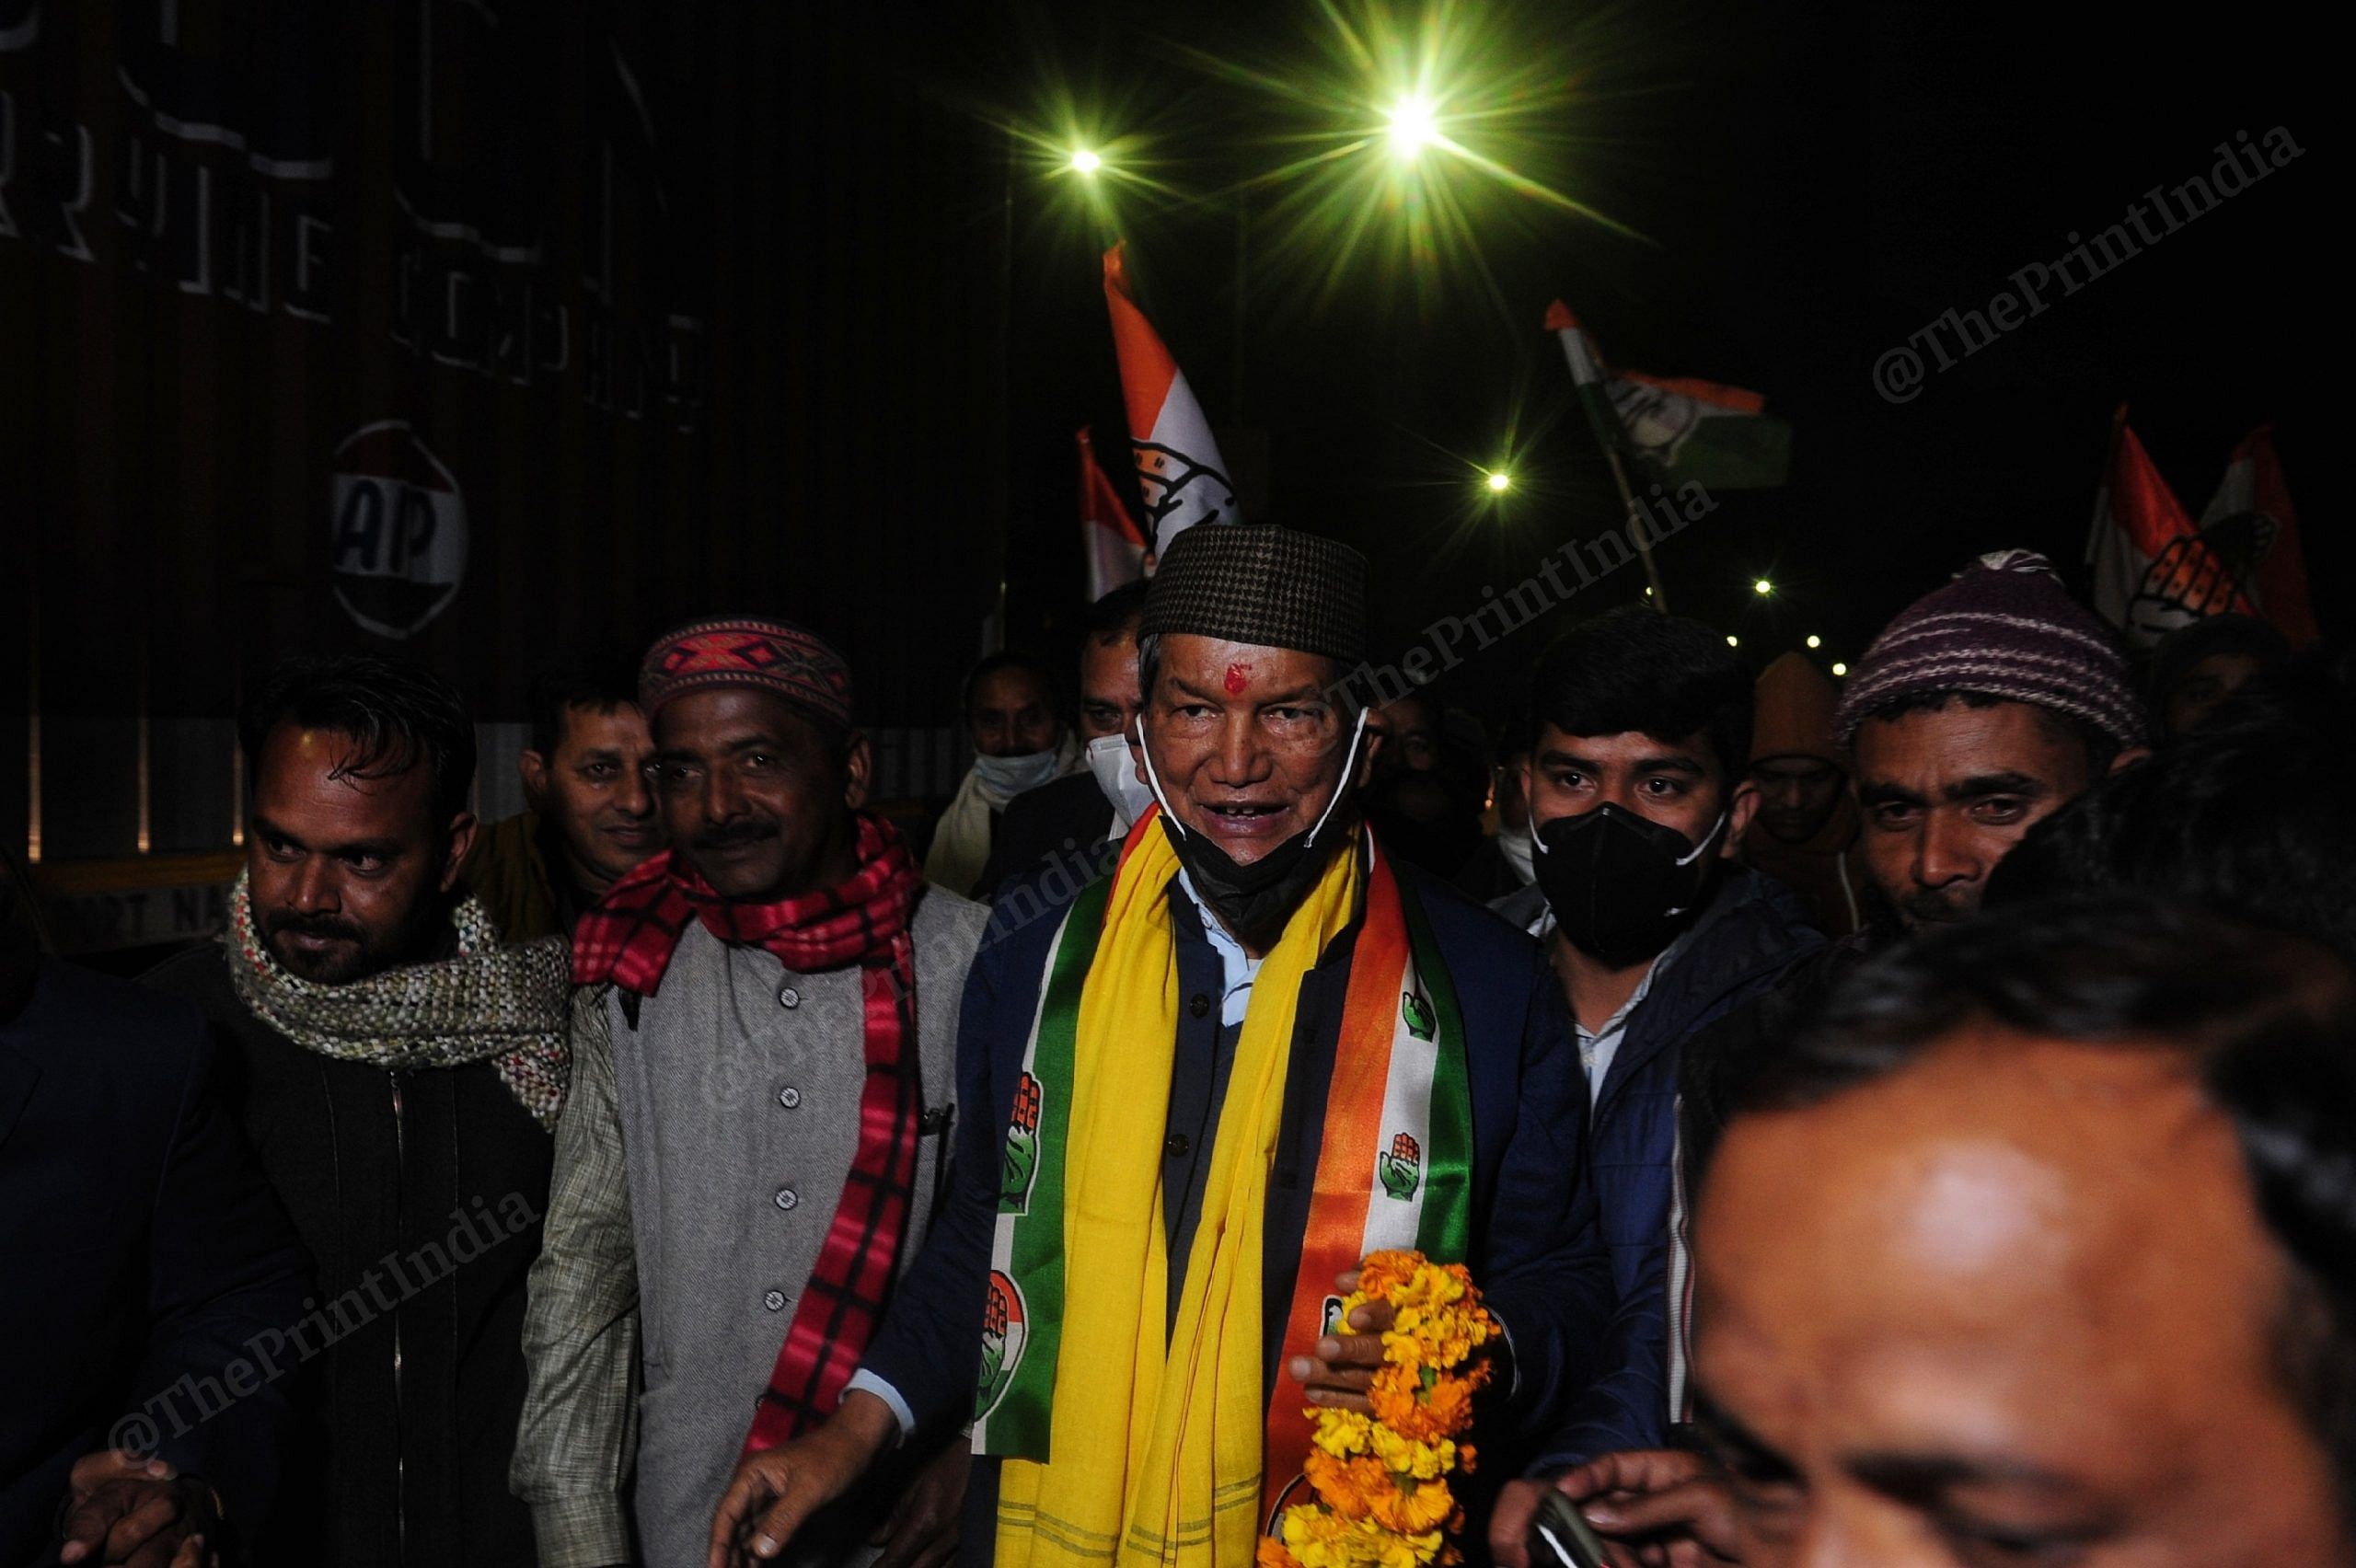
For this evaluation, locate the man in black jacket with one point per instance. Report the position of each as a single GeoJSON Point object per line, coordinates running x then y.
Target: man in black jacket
{"type": "Point", "coordinates": [151, 1275]}
{"type": "Point", "coordinates": [399, 1070]}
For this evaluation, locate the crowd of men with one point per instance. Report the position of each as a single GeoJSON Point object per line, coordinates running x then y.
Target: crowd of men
{"type": "Point", "coordinates": [1904, 1122]}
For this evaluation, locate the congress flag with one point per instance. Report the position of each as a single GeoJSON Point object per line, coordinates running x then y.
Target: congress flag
{"type": "Point", "coordinates": [2153, 570]}
{"type": "Point", "coordinates": [2251, 523]}
{"type": "Point", "coordinates": [1181, 476]}
{"type": "Point", "coordinates": [1114, 549]}
{"type": "Point", "coordinates": [1680, 429]}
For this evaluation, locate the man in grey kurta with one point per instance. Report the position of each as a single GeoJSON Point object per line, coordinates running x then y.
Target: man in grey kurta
{"type": "Point", "coordinates": [716, 1115]}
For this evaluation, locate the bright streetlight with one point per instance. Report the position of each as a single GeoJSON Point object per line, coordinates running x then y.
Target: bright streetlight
{"type": "Point", "coordinates": [1840, 669]}
{"type": "Point", "coordinates": [1414, 125]}
{"type": "Point", "coordinates": [1733, 642]}
{"type": "Point", "coordinates": [1083, 161]}
{"type": "Point", "coordinates": [1815, 641]}
{"type": "Point", "coordinates": [1498, 481]}
{"type": "Point", "coordinates": [1762, 586]}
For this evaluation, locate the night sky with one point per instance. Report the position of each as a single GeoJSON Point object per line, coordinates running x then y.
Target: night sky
{"type": "Point", "coordinates": [1813, 183]}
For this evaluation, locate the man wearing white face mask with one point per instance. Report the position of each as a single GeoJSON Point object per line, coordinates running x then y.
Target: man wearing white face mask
{"type": "Point", "coordinates": [1019, 743]}
{"type": "Point", "coordinates": [1076, 822]}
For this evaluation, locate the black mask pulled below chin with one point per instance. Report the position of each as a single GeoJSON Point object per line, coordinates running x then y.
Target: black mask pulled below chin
{"type": "Point", "coordinates": [1621, 885]}
{"type": "Point", "coordinates": [1254, 901]}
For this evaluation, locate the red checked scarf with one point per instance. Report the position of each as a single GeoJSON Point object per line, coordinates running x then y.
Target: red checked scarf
{"type": "Point", "coordinates": [627, 941]}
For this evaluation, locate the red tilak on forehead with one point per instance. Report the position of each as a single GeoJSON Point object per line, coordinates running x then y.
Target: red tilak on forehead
{"type": "Point", "coordinates": [1237, 677]}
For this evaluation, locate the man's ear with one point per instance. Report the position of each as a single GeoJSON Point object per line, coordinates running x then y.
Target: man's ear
{"type": "Point", "coordinates": [1740, 808]}
{"type": "Point", "coordinates": [462, 829]}
{"type": "Point", "coordinates": [2128, 759]}
{"type": "Point", "coordinates": [859, 769]}
{"type": "Point", "coordinates": [533, 769]}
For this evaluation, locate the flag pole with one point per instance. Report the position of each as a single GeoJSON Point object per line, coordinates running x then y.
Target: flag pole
{"type": "Point", "coordinates": [1636, 530]}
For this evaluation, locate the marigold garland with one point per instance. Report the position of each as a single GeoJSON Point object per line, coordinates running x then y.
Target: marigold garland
{"type": "Point", "coordinates": [1381, 1480]}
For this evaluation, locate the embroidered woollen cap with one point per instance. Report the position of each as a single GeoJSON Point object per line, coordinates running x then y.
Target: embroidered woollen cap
{"type": "Point", "coordinates": [1258, 584]}
{"type": "Point", "coordinates": [747, 651]}
{"type": "Point", "coordinates": [2004, 628]}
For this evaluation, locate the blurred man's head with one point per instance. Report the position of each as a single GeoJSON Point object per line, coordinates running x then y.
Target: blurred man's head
{"type": "Point", "coordinates": [1011, 707]}
{"type": "Point", "coordinates": [1984, 707]}
{"type": "Point", "coordinates": [1640, 724]}
{"type": "Point", "coordinates": [2246, 817]}
{"type": "Point", "coordinates": [758, 769]}
{"type": "Point", "coordinates": [1794, 762]}
{"type": "Point", "coordinates": [2196, 667]}
{"type": "Point", "coordinates": [2042, 1250]}
{"type": "Point", "coordinates": [585, 772]}
{"type": "Point", "coordinates": [361, 769]}
{"type": "Point", "coordinates": [1412, 733]}
{"type": "Point", "coordinates": [1109, 698]}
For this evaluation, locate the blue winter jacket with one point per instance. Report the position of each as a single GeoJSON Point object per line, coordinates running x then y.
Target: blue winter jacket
{"type": "Point", "coordinates": [1753, 930]}
{"type": "Point", "coordinates": [1535, 1245]}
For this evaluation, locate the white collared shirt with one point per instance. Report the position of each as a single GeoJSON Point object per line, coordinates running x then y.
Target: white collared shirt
{"type": "Point", "coordinates": [1237, 969]}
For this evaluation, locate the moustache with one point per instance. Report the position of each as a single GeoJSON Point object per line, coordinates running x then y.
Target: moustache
{"type": "Point", "coordinates": [326, 926]}
{"type": "Point", "coordinates": [730, 837]}
{"type": "Point", "coordinates": [1934, 908]}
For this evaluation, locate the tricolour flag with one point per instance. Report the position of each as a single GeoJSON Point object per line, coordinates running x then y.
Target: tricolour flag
{"type": "Point", "coordinates": [1680, 429]}
{"type": "Point", "coordinates": [2154, 572]}
{"type": "Point", "coordinates": [2251, 523]}
{"type": "Point", "coordinates": [1116, 550]}
{"type": "Point", "coordinates": [1181, 476]}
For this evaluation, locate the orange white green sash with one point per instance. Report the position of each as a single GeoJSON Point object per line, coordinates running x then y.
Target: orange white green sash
{"type": "Point", "coordinates": [1394, 1170]}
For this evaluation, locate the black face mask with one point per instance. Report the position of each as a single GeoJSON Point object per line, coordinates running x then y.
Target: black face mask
{"type": "Point", "coordinates": [1620, 884]}
{"type": "Point", "coordinates": [1253, 902]}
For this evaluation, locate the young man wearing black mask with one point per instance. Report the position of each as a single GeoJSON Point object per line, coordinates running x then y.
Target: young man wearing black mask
{"type": "Point", "coordinates": [1639, 731]}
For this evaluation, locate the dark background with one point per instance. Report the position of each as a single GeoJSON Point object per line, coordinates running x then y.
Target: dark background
{"type": "Point", "coordinates": [851, 315]}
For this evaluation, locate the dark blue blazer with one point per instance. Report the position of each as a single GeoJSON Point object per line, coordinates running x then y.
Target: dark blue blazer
{"type": "Point", "coordinates": [1536, 1250]}
{"type": "Point", "coordinates": [141, 1253]}
{"type": "Point", "coordinates": [1753, 931]}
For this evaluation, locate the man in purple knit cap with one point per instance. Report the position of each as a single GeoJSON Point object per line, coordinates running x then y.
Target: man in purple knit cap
{"type": "Point", "coordinates": [1989, 704]}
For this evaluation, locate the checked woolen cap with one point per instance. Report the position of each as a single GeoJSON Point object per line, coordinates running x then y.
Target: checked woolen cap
{"type": "Point", "coordinates": [1258, 584]}
{"type": "Point", "coordinates": [747, 651]}
{"type": "Point", "coordinates": [2004, 628]}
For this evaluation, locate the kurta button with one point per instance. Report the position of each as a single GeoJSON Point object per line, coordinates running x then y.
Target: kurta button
{"type": "Point", "coordinates": [789, 1096]}
{"type": "Point", "coordinates": [785, 1198]}
{"type": "Point", "coordinates": [787, 997]}
{"type": "Point", "coordinates": [1176, 1146]}
{"type": "Point", "coordinates": [1200, 1006]}
{"type": "Point", "coordinates": [774, 1300]}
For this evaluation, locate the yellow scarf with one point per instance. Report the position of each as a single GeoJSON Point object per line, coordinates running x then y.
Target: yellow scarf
{"type": "Point", "coordinates": [1155, 1443]}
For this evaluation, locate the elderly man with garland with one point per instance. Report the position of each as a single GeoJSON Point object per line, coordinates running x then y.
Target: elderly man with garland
{"type": "Point", "coordinates": [398, 1068]}
{"type": "Point", "coordinates": [764, 1078]}
{"type": "Point", "coordinates": [1204, 1089]}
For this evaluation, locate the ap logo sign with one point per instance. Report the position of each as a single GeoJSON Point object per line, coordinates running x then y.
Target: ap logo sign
{"type": "Point", "coordinates": [398, 530]}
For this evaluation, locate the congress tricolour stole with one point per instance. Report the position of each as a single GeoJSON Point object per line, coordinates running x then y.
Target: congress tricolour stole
{"type": "Point", "coordinates": [1169, 1446]}
{"type": "Point", "coordinates": [1021, 1322]}
{"type": "Point", "coordinates": [1395, 1170]}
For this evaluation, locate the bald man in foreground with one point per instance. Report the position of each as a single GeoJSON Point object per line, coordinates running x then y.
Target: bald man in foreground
{"type": "Point", "coordinates": [2042, 1250]}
